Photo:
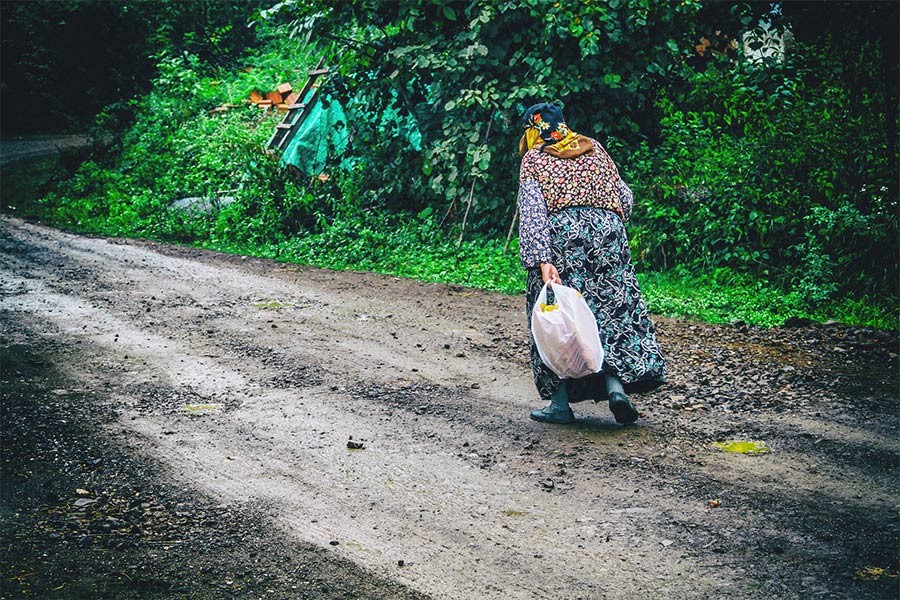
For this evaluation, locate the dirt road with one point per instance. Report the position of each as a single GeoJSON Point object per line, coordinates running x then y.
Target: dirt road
{"type": "Point", "coordinates": [13, 150]}
{"type": "Point", "coordinates": [242, 381]}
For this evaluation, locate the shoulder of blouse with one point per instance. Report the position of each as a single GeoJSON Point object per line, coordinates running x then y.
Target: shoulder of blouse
{"type": "Point", "coordinates": [529, 162]}
{"type": "Point", "coordinates": [598, 147]}
{"type": "Point", "coordinates": [531, 155]}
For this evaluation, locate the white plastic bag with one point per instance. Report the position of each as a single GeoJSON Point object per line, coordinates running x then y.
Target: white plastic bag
{"type": "Point", "coordinates": [566, 336]}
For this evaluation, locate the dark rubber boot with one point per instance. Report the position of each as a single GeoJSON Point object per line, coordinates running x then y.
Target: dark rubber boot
{"type": "Point", "coordinates": [558, 411]}
{"type": "Point", "coordinates": [622, 408]}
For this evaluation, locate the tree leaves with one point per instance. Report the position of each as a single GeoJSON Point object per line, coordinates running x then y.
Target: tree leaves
{"type": "Point", "coordinates": [455, 66]}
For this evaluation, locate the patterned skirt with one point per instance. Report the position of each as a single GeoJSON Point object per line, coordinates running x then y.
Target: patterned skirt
{"type": "Point", "coordinates": [590, 250]}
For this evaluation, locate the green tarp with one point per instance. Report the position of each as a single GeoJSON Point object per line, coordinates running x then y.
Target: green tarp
{"type": "Point", "coordinates": [325, 129]}
{"type": "Point", "coordinates": [324, 124]}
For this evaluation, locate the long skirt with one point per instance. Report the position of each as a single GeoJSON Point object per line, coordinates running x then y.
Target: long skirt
{"type": "Point", "coordinates": [590, 250]}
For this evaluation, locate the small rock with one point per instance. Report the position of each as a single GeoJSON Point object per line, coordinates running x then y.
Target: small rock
{"type": "Point", "coordinates": [334, 542]}
{"type": "Point", "coordinates": [355, 445]}
{"type": "Point", "coordinates": [798, 322]}
{"type": "Point", "coordinates": [476, 386]}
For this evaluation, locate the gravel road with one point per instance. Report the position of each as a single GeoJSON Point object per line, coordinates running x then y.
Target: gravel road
{"type": "Point", "coordinates": [353, 435]}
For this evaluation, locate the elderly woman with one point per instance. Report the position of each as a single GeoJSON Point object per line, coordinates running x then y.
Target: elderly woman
{"type": "Point", "coordinates": [572, 209]}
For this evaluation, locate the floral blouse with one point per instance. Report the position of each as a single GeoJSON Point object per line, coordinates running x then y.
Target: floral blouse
{"type": "Point", "coordinates": [548, 184]}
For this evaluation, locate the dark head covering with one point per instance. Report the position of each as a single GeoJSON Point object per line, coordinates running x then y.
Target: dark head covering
{"type": "Point", "coordinates": [559, 141]}
{"type": "Point", "coordinates": [548, 120]}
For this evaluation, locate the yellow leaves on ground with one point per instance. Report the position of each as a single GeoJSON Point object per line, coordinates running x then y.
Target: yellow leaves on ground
{"type": "Point", "coordinates": [199, 409]}
{"type": "Point", "coordinates": [872, 573]}
{"type": "Point", "coordinates": [743, 447]}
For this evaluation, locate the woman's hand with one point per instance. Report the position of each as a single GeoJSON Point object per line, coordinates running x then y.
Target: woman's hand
{"type": "Point", "coordinates": [550, 274]}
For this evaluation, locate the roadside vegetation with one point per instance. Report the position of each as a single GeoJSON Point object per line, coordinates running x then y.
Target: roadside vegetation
{"type": "Point", "coordinates": [766, 188]}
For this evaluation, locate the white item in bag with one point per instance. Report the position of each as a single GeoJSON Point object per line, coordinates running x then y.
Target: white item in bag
{"type": "Point", "coordinates": [566, 336]}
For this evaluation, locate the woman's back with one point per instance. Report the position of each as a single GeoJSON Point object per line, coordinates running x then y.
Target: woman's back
{"type": "Point", "coordinates": [590, 179]}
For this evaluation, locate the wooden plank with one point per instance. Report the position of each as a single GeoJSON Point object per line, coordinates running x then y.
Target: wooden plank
{"type": "Point", "coordinates": [275, 97]}
{"type": "Point", "coordinates": [255, 97]}
{"type": "Point", "coordinates": [296, 113]}
{"type": "Point", "coordinates": [284, 89]}
{"type": "Point", "coordinates": [312, 79]}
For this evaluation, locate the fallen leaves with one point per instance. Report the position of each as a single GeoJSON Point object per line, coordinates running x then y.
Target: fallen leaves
{"type": "Point", "coordinates": [873, 573]}
{"type": "Point", "coordinates": [200, 409]}
{"type": "Point", "coordinates": [750, 447]}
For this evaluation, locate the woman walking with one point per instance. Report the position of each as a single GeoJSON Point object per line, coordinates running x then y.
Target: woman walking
{"type": "Point", "coordinates": [572, 211]}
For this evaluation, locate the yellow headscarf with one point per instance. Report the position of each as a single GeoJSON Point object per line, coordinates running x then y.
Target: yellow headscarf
{"type": "Point", "coordinates": [570, 146]}
{"type": "Point", "coordinates": [532, 138]}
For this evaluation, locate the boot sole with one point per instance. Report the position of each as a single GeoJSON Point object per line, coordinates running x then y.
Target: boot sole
{"type": "Point", "coordinates": [546, 419]}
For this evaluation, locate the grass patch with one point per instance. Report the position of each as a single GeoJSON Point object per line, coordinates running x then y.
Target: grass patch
{"type": "Point", "coordinates": [414, 248]}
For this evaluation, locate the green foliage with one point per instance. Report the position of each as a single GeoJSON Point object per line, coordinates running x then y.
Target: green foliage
{"type": "Point", "coordinates": [763, 192]}
{"type": "Point", "coordinates": [23, 185]}
{"type": "Point", "coordinates": [63, 61]}
{"type": "Point", "coordinates": [776, 170]}
{"type": "Point", "coordinates": [725, 296]}
{"type": "Point", "coordinates": [406, 247]}
{"type": "Point", "coordinates": [177, 149]}
{"type": "Point", "coordinates": [464, 72]}
{"type": "Point", "coordinates": [780, 169]}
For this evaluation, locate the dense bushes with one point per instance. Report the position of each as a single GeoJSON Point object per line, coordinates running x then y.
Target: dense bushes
{"type": "Point", "coordinates": [771, 169]}
{"type": "Point", "coordinates": [783, 169]}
